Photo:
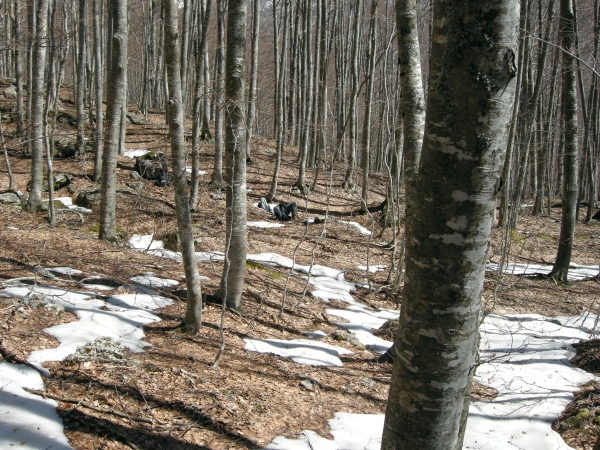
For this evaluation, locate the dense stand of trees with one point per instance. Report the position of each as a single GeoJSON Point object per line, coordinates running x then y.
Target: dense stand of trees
{"type": "Point", "coordinates": [345, 84]}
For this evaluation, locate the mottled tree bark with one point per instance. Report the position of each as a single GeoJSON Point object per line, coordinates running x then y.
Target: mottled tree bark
{"type": "Point", "coordinates": [36, 91]}
{"type": "Point", "coordinates": [560, 270]}
{"type": "Point", "coordinates": [216, 180]}
{"type": "Point", "coordinates": [253, 78]}
{"type": "Point", "coordinates": [116, 87]}
{"type": "Point", "coordinates": [99, 91]}
{"type": "Point", "coordinates": [232, 281]}
{"type": "Point", "coordinates": [193, 314]}
{"type": "Point", "coordinates": [79, 104]}
{"type": "Point", "coordinates": [470, 100]}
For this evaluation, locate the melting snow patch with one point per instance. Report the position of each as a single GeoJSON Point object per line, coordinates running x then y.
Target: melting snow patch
{"type": "Point", "coordinates": [63, 270]}
{"type": "Point", "coordinates": [120, 317]}
{"type": "Point", "coordinates": [526, 358]}
{"type": "Point", "coordinates": [317, 334]}
{"type": "Point", "coordinates": [136, 152]}
{"type": "Point", "coordinates": [28, 421]}
{"type": "Point", "coordinates": [68, 202]}
{"type": "Point", "coordinates": [264, 224]}
{"type": "Point", "coordinates": [350, 432]}
{"type": "Point", "coordinates": [148, 279]}
{"type": "Point", "coordinates": [358, 226]}
{"type": "Point", "coordinates": [373, 269]}
{"type": "Point", "coordinates": [576, 272]}
{"type": "Point", "coordinates": [300, 351]}
{"type": "Point", "coordinates": [188, 169]}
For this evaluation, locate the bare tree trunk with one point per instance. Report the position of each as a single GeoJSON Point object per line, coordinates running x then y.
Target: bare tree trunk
{"type": "Point", "coordinates": [366, 142]}
{"type": "Point", "coordinates": [353, 129]}
{"type": "Point", "coordinates": [217, 175]}
{"type": "Point", "coordinates": [18, 68]}
{"type": "Point", "coordinates": [203, 21]}
{"type": "Point", "coordinates": [449, 226]}
{"type": "Point", "coordinates": [116, 89]}
{"type": "Point", "coordinates": [36, 91]}
{"type": "Point", "coordinates": [280, 76]}
{"type": "Point", "coordinates": [79, 98]}
{"type": "Point", "coordinates": [560, 270]}
{"type": "Point", "coordinates": [99, 91]}
{"type": "Point", "coordinates": [232, 281]}
{"type": "Point", "coordinates": [193, 315]}
{"type": "Point", "coordinates": [253, 79]}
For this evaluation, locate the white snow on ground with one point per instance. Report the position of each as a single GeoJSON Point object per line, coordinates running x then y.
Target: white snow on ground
{"type": "Point", "coordinates": [264, 224]}
{"type": "Point", "coordinates": [63, 270]}
{"type": "Point", "coordinates": [301, 351]}
{"type": "Point", "coordinates": [525, 357]}
{"type": "Point", "coordinates": [27, 421]}
{"type": "Point", "coordinates": [576, 271]}
{"type": "Point", "coordinates": [358, 226]}
{"type": "Point", "coordinates": [188, 169]}
{"type": "Point", "coordinates": [120, 317]}
{"type": "Point", "coordinates": [317, 334]}
{"type": "Point", "coordinates": [136, 152]}
{"type": "Point", "coordinates": [350, 432]}
{"type": "Point", "coordinates": [68, 202]}
{"type": "Point", "coordinates": [31, 422]}
{"type": "Point", "coordinates": [374, 268]}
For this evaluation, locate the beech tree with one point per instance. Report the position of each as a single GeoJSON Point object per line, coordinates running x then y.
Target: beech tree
{"type": "Point", "coordinates": [472, 69]}
{"type": "Point", "coordinates": [193, 315]}
{"type": "Point", "coordinates": [232, 280]}
{"type": "Point", "coordinates": [116, 89]}
{"type": "Point", "coordinates": [569, 95]}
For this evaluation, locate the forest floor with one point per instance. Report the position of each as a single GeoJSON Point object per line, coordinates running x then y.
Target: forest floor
{"type": "Point", "coordinates": [250, 398]}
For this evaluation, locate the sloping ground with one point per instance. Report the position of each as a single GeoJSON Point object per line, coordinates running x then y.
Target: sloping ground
{"type": "Point", "coordinates": [251, 398]}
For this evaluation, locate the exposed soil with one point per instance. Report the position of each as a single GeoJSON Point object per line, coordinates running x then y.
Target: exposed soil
{"type": "Point", "coordinates": [170, 396]}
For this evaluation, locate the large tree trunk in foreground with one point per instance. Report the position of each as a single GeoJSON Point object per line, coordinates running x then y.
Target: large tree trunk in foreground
{"type": "Point", "coordinates": [232, 281]}
{"type": "Point", "coordinates": [470, 102]}
{"type": "Point", "coordinates": [193, 315]}
{"type": "Point", "coordinates": [569, 96]}
{"type": "Point", "coordinates": [116, 89]}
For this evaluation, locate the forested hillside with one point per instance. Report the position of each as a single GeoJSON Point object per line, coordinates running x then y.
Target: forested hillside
{"type": "Point", "coordinates": [299, 224]}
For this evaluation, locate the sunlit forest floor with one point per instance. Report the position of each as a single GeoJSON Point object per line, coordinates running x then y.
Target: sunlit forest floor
{"type": "Point", "coordinates": [250, 398]}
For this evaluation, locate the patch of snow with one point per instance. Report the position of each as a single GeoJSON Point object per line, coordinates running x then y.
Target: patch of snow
{"type": "Point", "coordinates": [64, 270]}
{"type": "Point", "coordinates": [134, 153]}
{"type": "Point", "coordinates": [28, 421]}
{"type": "Point", "coordinates": [358, 226]}
{"type": "Point", "coordinates": [373, 269]}
{"type": "Point", "coordinates": [317, 334]}
{"type": "Point", "coordinates": [120, 317]}
{"type": "Point", "coordinates": [148, 279]}
{"type": "Point", "coordinates": [264, 224]}
{"type": "Point", "coordinates": [577, 272]}
{"type": "Point", "coordinates": [11, 228]}
{"type": "Point", "coordinates": [188, 169]}
{"type": "Point", "coordinates": [526, 358]}
{"type": "Point", "coordinates": [300, 351]}
{"type": "Point", "coordinates": [68, 202]}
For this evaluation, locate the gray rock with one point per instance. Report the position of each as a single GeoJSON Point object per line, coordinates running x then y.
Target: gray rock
{"type": "Point", "coordinates": [10, 198]}
{"type": "Point", "coordinates": [135, 175]}
{"type": "Point", "coordinates": [10, 92]}
{"type": "Point", "coordinates": [61, 180]}
{"type": "Point", "coordinates": [151, 166]}
{"type": "Point", "coordinates": [136, 185]}
{"type": "Point", "coordinates": [87, 197]}
{"type": "Point", "coordinates": [35, 300]}
{"type": "Point", "coordinates": [55, 309]}
{"type": "Point", "coordinates": [103, 349]}
{"type": "Point", "coordinates": [137, 120]}
{"type": "Point", "coordinates": [340, 335]}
